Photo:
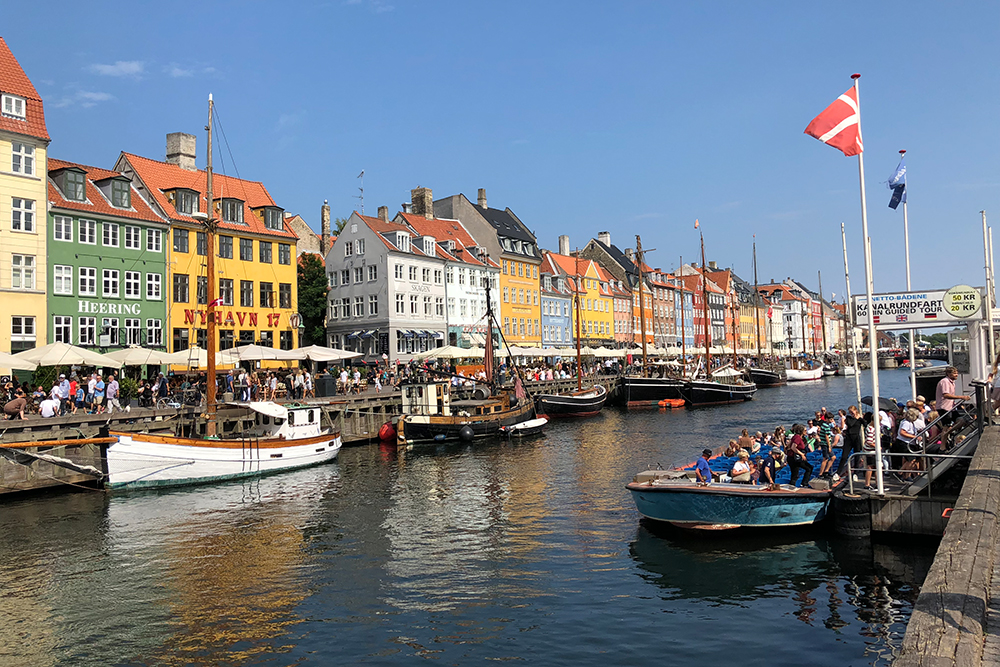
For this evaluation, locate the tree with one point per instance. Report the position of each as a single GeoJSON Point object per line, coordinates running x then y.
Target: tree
{"type": "Point", "coordinates": [338, 226]}
{"type": "Point", "coordinates": [312, 299]}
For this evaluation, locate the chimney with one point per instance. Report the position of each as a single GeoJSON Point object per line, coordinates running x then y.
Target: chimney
{"type": "Point", "coordinates": [605, 238]}
{"type": "Point", "coordinates": [324, 240]}
{"type": "Point", "coordinates": [713, 266]}
{"type": "Point", "coordinates": [423, 202]}
{"type": "Point", "coordinates": [383, 213]}
{"type": "Point", "coordinates": [630, 253]}
{"type": "Point", "coordinates": [563, 245]}
{"type": "Point", "coordinates": [181, 150]}
{"type": "Point", "coordinates": [482, 197]}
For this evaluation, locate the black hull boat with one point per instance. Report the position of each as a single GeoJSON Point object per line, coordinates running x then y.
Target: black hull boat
{"type": "Point", "coordinates": [767, 378]}
{"type": "Point", "coordinates": [707, 392]}
{"type": "Point", "coordinates": [584, 403]}
{"type": "Point", "coordinates": [467, 422]}
{"type": "Point", "coordinates": [636, 391]}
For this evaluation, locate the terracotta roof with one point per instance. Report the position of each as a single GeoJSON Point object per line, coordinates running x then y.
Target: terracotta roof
{"type": "Point", "coordinates": [444, 229]}
{"type": "Point", "coordinates": [159, 177]}
{"type": "Point", "coordinates": [785, 292]}
{"type": "Point", "coordinates": [96, 203]}
{"type": "Point", "coordinates": [13, 80]}
{"type": "Point", "coordinates": [380, 227]}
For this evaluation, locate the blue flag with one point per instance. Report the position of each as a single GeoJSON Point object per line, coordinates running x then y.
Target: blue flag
{"type": "Point", "coordinates": [897, 183]}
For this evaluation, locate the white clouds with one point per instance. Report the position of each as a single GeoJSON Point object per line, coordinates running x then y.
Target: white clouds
{"type": "Point", "coordinates": [133, 68]}
{"type": "Point", "coordinates": [81, 98]}
{"type": "Point", "coordinates": [176, 71]}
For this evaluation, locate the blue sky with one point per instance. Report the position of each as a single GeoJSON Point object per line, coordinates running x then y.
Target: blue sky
{"type": "Point", "coordinates": [631, 117]}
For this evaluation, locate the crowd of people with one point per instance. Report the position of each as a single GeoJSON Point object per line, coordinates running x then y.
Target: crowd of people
{"type": "Point", "coordinates": [90, 394]}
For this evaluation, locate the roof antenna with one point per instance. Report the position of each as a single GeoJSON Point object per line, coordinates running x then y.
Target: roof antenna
{"type": "Point", "coordinates": [362, 190]}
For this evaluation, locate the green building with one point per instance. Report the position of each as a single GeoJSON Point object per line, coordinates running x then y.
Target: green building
{"type": "Point", "coordinates": [107, 261]}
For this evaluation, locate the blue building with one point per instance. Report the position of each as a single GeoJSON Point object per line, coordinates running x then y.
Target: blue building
{"type": "Point", "coordinates": [556, 303]}
{"type": "Point", "coordinates": [685, 297]}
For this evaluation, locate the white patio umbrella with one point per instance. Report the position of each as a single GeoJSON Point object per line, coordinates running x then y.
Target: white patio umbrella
{"type": "Point", "coordinates": [193, 356]}
{"type": "Point", "coordinates": [452, 352]}
{"type": "Point", "coordinates": [63, 354]}
{"type": "Point", "coordinates": [138, 356]}
{"type": "Point", "coordinates": [317, 353]}
{"type": "Point", "coordinates": [251, 353]}
{"type": "Point", "coordinates": [11, 362]}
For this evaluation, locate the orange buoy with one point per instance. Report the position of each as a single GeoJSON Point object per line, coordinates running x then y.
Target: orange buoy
{"type": "Point", "coordinates": [671, 403]}
{"type": "Point", "coordinates": [387, 432]}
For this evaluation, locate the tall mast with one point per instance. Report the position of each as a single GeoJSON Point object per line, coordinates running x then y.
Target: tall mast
{"type": "Point", "coordinates": [735, 311]}
{"type": "Point", "coordinates": [210, 278]}
{"type": "Point", "coordinates": [822, 318]}
{"type": "Point", "coordinates": [704, 304]}
{"type": "Point", "coordinates": [489, 358]}
{"type": "Point", "coordinates": [642, 309]}
{"type": "Point", "coordinates": [576, 296]}
{"type": "Point", "coordinates": [756, 303]}
{"type": "Point", "coordinates": [680, 272]}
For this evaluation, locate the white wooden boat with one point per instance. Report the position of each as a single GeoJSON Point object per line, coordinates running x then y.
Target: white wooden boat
{"type": "Point", "coordinates": [802, 374]}
{"type": "Point", "coordinates": [281, 438]}
{"type": "Point", "coordinates": [530, 427]}
{"type": "Point", "coordinates": [846, 370]}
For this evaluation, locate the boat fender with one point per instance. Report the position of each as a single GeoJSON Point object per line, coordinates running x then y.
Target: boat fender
{"type": "Point", "coordinates": [466, 433]}
{"type": "Point", "coordinates": [387, 432]}
{"type": "Point", "coordinates": [440, 437]}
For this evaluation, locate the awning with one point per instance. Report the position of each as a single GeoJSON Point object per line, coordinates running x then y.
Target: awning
{"type": "Point", "coordinates": [354, 334]}
{"type": "Point", "coordinates": [438, 334]}
{"type": "Point", "coordinates": [407, 334]}
{"type": "Point", "coordinates": [368, 334]}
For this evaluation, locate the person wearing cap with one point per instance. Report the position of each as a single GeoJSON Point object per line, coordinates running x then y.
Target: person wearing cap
{"type": "Point", "coordinates": [63, 394]}
{"type": "Point", "coordinates": [769, 467]}
{"type": "Point", "coordinates": [703, 472]}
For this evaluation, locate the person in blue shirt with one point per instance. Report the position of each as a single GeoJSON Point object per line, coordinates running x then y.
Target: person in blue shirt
{"type": "Point", "coordinates": [99, 396]}
{"type": "Point", "coordinates": [703, 472]}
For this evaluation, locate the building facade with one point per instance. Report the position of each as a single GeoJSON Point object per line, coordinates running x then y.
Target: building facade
{"type": "Point", "coordinates": [24, 142]}
{"type": "Point", "coordinates": [107, 266]}
{"type": "Point", "coordinates": [558, 326]}
{"type": "Point", "coordinates": [596, 311]}
{"type": "Point", "coordinates": [255, 252]}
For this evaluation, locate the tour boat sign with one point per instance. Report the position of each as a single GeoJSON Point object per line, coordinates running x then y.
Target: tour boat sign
{"type": "Point", "coordinates": [905, 310]}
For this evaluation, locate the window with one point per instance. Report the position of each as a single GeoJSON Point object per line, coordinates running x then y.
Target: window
{"type": "Point", "coordinates": [413, 304]}
{"type": "Point", "coordinates": [22, 215]}
{"type": "Point", "coordinates": [284, 253]}
{"type": "Point", "coordinates": [226, 291]}
{"type": "Point", "coordinates": [361, 246]}
{"type": "Point", "coordinates": [225, 339]}
{"type": "Point", "coordinates": [73, 186]}
{"type": "Point", "coordinates": [154, 333]}
{"type": "Point", "coordinates": [451, 306]}
{"type": "Point", "coordinates": [201, 290]}
{"type": "Point", "coordinates": [62, 228]}
{"type": "Point", "coordinates": [427, 305]}
{"type": "Point", "coordinates": [450, 275]}
{"type": "Point", "coordinates": [181, 339]}
{"type": "Point", "coordinates": [463, 308]}
{"type": "Point", "coordinates": [359, 274]}
{"type": "Point", "coordinates": [426, 275]}
{"type": "Point", "coordinates": [284, 295]}
{"type": "Point", "coordinates": [348, 248]}
{"type": "Point", "coordinates": [62, 329]}
{"type": "Point", "coordinates": [109, 282]}
{"type": "Point", "coordinates": [88, 281]}
{"type": "Point", "coordinates": [439, 306]}
{"type": "Point", "coordinates": [272, 218]}
{"type": "Point", "coordinates": [121, 192]}
{"type": "Point", "coordinates": [62, 279]}
{"type": "Point", "coordinates": [505, 295]}
{"type": "Point", "coordinates": [22, 333]}
{"type": "Point", "coordinates": [133, 329]}
{"type": "Point", "coordinates": [109, 328]}
{"type": "Point", "coordinates": [400, 304]}
{"type": "Point", "coordinates": [333, 310]}
{"type": "Point", "coordinates": [132, 279]}
{"type": "Point", "coordinates": [505, 267]}
{"type": "Point", "coordinates": [186, 202]}
{"type": "Point", "coordinates": [180, 240]}
{"type": "Point", "coordinates": [437, 276]}
{"type": "Point", "coordinates": [226, 247]}
{"type": "Point", "coordinates": [345, 307]}
{"type": "Point", "coordinates": [534, 272]}
{"type": "Point", "coordinates": [22, 158]}
{"type": "Point", "coordinates": [372, 272]}
{"type": "Point", "coordinates": [232, 211]}
{"type": "Point", "coordinates": [535, 296]}
{"type": "Point", "coordinates": [246, 293]}
{"type": "Point", "coordinates": [88, 331]}
{"type": "Point", "coordinates": [520, 296]}
{"type": "Point", "coordinates": [506, 326]}
{"type": "Point", "coordinates": [13, 106]}
{"type": "Point", "coordinates": [110, 234]}
{"type": "Point", "coordinates": [181, 287]}
{"type": "Point", "coordinates": [201, 245]}
{"type": "Point", "coordinates": [154, 240]}
{"type": "Point", "coordinates": [266, 295]}
{"type": "Point", "coordinates": [264, 251]}
{"type": "Point", "coordinates": [154, 286]}
{"type": "Point", "coordinates": [520, 272]}
{"type": "Point", "coordinates": [22, 272]}
{"type": "Point", "coordinates": [132, 236]}
{"type": "Point", "coordinates": [285, 340]}
{"type": "Point", "coordinates": [359, 306]}
{"type": "Point", "coordinates": [246, 337]}
{"type": "Point", "coordinates": [246, 250]}
{"type": "Point", "coordinates": [345, 277]}
{"type": "Point", "coordinates": [399, 272]}
{"type": "Point", "coordinates": [413, 274]}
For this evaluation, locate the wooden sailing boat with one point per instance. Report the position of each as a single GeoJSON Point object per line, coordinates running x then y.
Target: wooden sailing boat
{"type": "Point", "coordinates": [762, 377]}
{"type": "Point", "coordinates": [582, 402]}
{"type": "Point", "coordinates": [430, 416]}
{"type": "Point", "coordinates": [643, 390]}
{"type": "Point", "coordinates": [720, 387]}
{"type": "Point", "coordinates": [265, 437]}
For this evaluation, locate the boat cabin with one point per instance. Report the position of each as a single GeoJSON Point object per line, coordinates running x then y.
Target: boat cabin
{"type": "Point", "coordinates": [427, 398]}
{"type": "Point", "coordinates": [291, 421]}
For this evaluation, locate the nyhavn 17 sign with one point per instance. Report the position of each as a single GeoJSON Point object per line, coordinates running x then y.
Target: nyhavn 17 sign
{"type": "Point", "coordinates": [905, 310]}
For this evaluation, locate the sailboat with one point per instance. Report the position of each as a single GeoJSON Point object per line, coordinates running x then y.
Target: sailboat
{"type": "Point", "coordinates": [257, 438]}
{"type": "Point", "coordinates": [725, 385]}
{"type": "Point", "coordinates": [430, 416]}
{"type": "Point", "coordinates": [582, 402]}
{"type": "Point", "coordinates": [762, 377]}
{"type": "Point", "coordinates": [644, 390]}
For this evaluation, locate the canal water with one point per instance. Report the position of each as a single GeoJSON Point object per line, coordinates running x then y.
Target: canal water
{"type": "Point", "coordinates": [529, 552]}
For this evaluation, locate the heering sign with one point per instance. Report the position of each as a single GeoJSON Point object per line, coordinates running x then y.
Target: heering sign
{"type": "Point", "coordinates": [906, 310]}
{"type": "Point", "coordinates": [104, 308]}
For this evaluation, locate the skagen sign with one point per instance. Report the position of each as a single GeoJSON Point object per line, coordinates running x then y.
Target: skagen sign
{"type": "Point", "coordinates": [104, 308]}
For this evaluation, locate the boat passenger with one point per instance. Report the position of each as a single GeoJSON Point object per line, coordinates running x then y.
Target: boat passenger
{"type": "Point", "coordinates": [755, 467]}
{"type": "Point", "coordinates": [904, 438]}
{"type": "Point", "coordinates": [741, 469]}
{"type": "Point", "coordinates": [769, 467]}
{"type": "Point", "coordinates": [795, 452]}
{"type": "Point", "coordinates": [703, 471]}
{"type": "Point", "coordinates": [869, 448]}
{"type": "Point", "coordinates": [745, 441]}
{"type": "Point", "coordinates": [826, 446]}
{"type": "Point", "coordinates": [732, 448]}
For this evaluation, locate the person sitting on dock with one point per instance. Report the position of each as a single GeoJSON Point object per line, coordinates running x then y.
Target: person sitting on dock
{"type": "Point", "coordinates": [14, 409]}
{"type": "Point", "coordinates": [702, 471]}
{"type": "Point", "coordinates": [741, 468]}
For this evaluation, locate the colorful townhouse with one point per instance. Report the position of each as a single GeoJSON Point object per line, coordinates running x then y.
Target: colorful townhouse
{"type": "Point", "coordinates": [107, 263]}
{"type": "Point", "coordinates": [23, 223]}
{"type": "Point", "coordinates": [597, 320]}
{"type": "Point", "coordinates": [254, 248]}
{"type": "Point", "coordinates": [558, 324]}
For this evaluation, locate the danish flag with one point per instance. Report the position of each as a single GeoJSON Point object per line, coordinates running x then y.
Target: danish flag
{"type": "Point", "coordinates": [840, 124]}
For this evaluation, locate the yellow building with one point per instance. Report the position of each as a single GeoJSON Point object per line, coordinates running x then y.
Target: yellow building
{"type": "Point", "coordinates": [255, 255]}
{"type": "Point", "coordinates": [597, 313]}
{"type": "Point", "coordinates": [520, 311]}
{"type": "Point", "coordinates": [23, 209]}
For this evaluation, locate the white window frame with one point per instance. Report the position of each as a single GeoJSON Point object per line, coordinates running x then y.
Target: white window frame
{"type": "Point", "coordinates": [359, 306]}
{"type": "Point", "coordinates": [13, 106]}
{"type": "Point", "coordinates": [22, 158]}
{"type": "Point", "coordinates": [361, 246]}
{"type": "Point", "coordinates": [348, 248]}
{"type": "Point", "coordinates": [62, 324]}
{"type": "Point", "coordinates": [87, 284]}
{"type": "Point", "coordinates": [373, 304]}
{"type": "Point", "coordinates": [22, 272]}
{"type": "Point", "coordinates": [109, 234]}
{"type": "Point", "coordinates": [398, 272]}
{"type": "Point", "coordinates": [400, 303]}
{"type": "Point", "coordinates": [62, 279]}
{"type": "Point", "coordinates": [154, 240]}
{"type": "Point", "coordinates": [111, 324]}
{"type": "Point", "coordinates": [110, 278]}
{"type": "Point", "coordinates": [133, 237]}
{"type": "Point", "coordinates": [22, 215]}
{"type": "Point", "coordinates": [87, 331]}
{"type": "Point", "coordinates": [22, 329]}
{"type": "Point", "coordinates": [133, 285]}
{"type": "Point", "coordinates": [88, 231]}
{"type": "Point", "coordinates": [62, 228]}
{"type": "Point", "coordinates": [133, 331]}
{"type": "Point", "coordinates": [372, 272]}
{"type": "Point", "coordinates": [154, 333]}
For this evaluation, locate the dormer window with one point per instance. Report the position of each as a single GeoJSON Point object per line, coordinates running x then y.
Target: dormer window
{"type": "Point", "coordinates": [73, 185]}
{"type": "Point", "coordinates": [403, 241]}
{"type": "Point", "coordinates": [121, 193]}
{"type": "Point", "coordinates": [548, 282]}
{"type": "Point", "coordinates": [232, 211]}
{"type": "Point", "coordinates": [428, 246]}
{"type": "Point", "coordinates": [186, 201]}
{"type": "Point", "coordinates": [273, 217]}
{"type": "Point", "coordinates": [13, 106]}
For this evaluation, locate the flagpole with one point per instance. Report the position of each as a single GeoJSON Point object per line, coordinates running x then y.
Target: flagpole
{"type": "Point", "coordinates": [989, 292]}
{"type": "Point", "coordinates": [872, 336]}
{"type": "Point", "coordinates": [850, 321]}
{"type": "Point", "coordinates": [906, 247]}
